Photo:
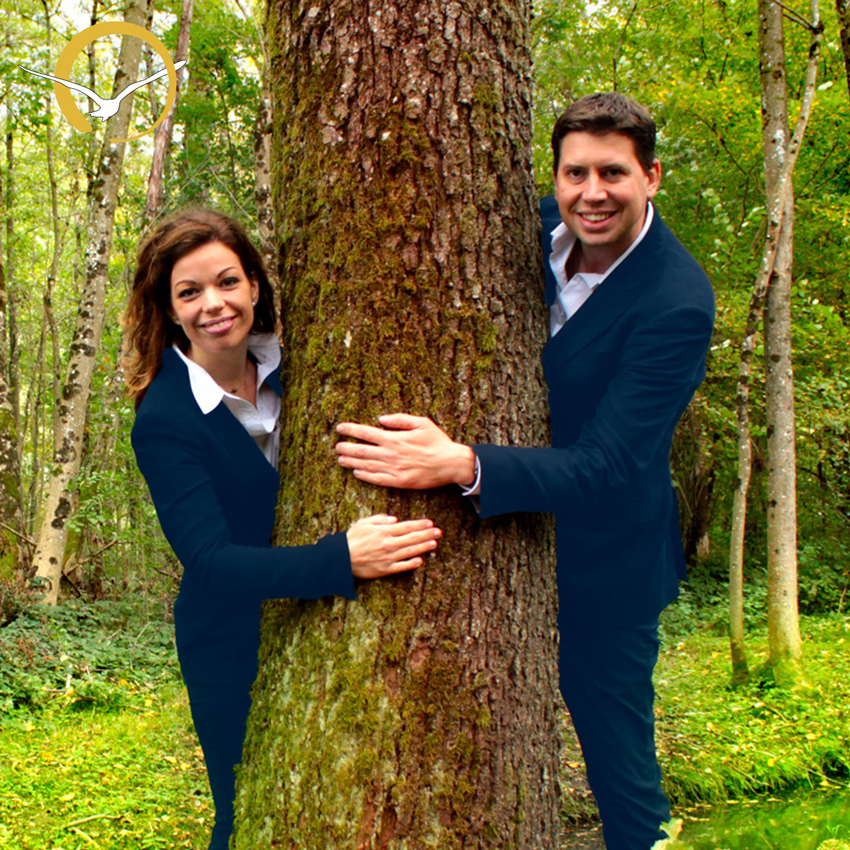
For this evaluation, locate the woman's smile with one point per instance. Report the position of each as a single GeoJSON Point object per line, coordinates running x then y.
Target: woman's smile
{"type": "Point", "coordinates": [212, 299]}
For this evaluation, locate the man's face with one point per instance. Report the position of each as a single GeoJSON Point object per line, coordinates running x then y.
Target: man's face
{"type": "Point", "coordinates": [602, 190]}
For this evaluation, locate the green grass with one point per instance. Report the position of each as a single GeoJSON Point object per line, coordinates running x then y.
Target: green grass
{"type": "Point", "coordinates": [97, 747]}
{"type": "Point", "coordinates": [717, 742]}
{"type": "Point", "coordinates": [132, 778]}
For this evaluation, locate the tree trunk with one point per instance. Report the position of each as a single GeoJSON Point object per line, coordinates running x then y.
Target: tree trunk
{"type": "Point", "coordinates": [783, 620]}
{"type": "Point", "coordinates": [10, 472]}
{"type": "Point", "coordinates": [423, 714]}
{"type": "Point", "coordinates": [779, 203]}
{"type": "Point", "coordinates": [262, 185]}
{"type": "Point", "coordinates": [73, 410]}
{"type": "Point", "coordinates": [262, 161]}
{"type": "Point", "coordinates": [9, 199]}
{"type": "Point", "coordinates": [162, 137]}
{"type": "Point", "coordinates": [843, 9]}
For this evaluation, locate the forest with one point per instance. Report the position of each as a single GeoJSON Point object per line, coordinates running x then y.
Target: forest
{"type": "Point", "coordinates": [96, 739]}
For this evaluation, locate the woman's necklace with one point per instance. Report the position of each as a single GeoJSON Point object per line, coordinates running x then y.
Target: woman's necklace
{"type": "Point", "coordinates": [248, 379]}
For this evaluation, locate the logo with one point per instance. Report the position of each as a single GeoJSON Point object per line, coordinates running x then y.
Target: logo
{"type": "Point", "coordinates": [107, 107]}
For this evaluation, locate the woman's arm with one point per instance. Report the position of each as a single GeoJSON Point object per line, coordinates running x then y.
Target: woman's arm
{"type": "Point", "coordinates": [174, 465]}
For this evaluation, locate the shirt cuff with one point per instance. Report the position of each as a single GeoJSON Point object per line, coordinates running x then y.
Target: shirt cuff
{"type": "Point", "coordinates": [474, 489]}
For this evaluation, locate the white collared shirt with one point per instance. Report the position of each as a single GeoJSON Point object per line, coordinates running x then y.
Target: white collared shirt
{"type": "Point", "coordinates": [261, 422]}
{"type": "Point", "coordinates": [572, 293]}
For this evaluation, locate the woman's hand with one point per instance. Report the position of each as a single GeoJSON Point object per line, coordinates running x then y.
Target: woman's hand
{"type": "Point", "coordinates": [381, 545]}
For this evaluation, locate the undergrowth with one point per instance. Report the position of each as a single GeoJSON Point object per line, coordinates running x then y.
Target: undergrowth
{"type": "Point", "coordinates": [82, 655]}
{"type": "Point", "coordinates": [115, 780]}
{"type": "Point", "coordinates": [716, 741]}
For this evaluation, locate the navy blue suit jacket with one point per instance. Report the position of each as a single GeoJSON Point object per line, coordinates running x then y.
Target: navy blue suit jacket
{"type": "Point", "coordinates": [620, 374]}
{"type": "Point", "coordinates": [215, 495]}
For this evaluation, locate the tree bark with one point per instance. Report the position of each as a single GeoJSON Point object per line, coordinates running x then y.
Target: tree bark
{"type": "Point", "coordinates": [73, 410]}
{"type": "Point", "coordinates": [262, 184]}
{"type": "Point", "coordinates": [423, 714]}
{"type": "Point", "coordinates": [162, 137]}
{"type": "Point", "coordinates": [785, 647]}
{"type": "Point", "coordinates": [843, 9]}
{"type": "Point", "coordinates": [10, 472]}
{"type": "Point", "coordinates": [9, 198]}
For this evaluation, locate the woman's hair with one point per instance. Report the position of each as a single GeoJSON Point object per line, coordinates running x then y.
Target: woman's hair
{"type": "Point", "coordinates": [150, 329]}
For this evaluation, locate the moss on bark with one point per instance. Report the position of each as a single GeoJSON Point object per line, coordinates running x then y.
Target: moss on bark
{"type": "Point", "coordinates": [423, 714]}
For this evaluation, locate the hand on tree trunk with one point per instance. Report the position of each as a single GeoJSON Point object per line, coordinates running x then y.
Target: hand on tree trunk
{"type": "Point", "coordinates": [381, 545]}
{"type": "Point", "coordinates": [409, 452]}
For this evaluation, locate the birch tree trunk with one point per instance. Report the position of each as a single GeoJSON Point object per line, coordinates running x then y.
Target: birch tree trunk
{"type": "Point", "coordinates": [9, 198]}
{"type": "Point", "coordinates": [784, 641]}
{"type": "Point", "coordinates": [73, 409]}
{"type": "Point", "coordinates": [262, 160]}
{"type": "Point", "coordinates": [779, 202]}
{"type": "Point", "coordinates": [423, 715]}
{"type": "Point", "coordinates": [262, 185]}
{"type": "Point", "coordinates": [10, 471]}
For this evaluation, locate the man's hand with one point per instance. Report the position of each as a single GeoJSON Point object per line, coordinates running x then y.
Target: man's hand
{"type": "Point", "coordinates": [409, 452]}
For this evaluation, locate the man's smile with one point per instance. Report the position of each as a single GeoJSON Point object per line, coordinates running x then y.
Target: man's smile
{"type": "Point", "coordinates": [595, 217]}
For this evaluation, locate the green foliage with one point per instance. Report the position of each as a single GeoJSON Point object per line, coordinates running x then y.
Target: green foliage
{"type": "Point", "coordinates": [673, 829]}
{"type": "Point", "coordinates": [717, 742]}
{"type": "Point", "coordinates": [83, 656]}
{"type": "Point", "coordinates": [124, 780]}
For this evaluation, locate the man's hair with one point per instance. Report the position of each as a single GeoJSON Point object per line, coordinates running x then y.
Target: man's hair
{"type": "Point", "coordinates": [608, 112]}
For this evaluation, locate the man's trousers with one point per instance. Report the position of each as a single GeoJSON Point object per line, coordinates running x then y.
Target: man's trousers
{"type": "Point", "coordinates": [606, 680]}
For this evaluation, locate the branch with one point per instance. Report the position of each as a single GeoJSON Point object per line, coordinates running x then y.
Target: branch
{"type": "Point", "coordinates": [814, 26]}
{"type": "Point", "coordinates": [92, 817]}
{"type": "Point", "coordinates": [18, 534]}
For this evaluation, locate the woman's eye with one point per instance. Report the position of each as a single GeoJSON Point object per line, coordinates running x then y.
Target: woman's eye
{"type": "Point", "coordinates": [185, 293]}
{"type": "Point", "coordinates": [230, 281]}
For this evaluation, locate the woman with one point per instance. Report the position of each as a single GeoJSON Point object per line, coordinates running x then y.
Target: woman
{"type": "Point", "coordinates": [203, 370]}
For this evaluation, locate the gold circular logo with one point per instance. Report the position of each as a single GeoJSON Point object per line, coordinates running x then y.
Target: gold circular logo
{"type": "Point", "coordinates": [65, 64]}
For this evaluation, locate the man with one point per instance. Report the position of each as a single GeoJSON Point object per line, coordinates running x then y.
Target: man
{"type": "Point", "coordinates": [631, 316]}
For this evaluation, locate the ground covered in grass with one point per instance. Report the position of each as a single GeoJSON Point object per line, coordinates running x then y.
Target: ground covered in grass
{"type": "Point", "coordinates": [717, 742]}
{"type": "Point", "coordinates": [97, 747]}
{"type": "Point", "coordinates": [126, 778]}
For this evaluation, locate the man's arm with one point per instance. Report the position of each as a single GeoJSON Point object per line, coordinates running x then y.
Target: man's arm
{"type": "Point", "coordinates": [662, 364]}
{"type": "Point", "coordinates": [415, 454]}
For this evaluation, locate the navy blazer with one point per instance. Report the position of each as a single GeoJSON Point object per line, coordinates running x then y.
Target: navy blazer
{"type": "Point", "coordinates": [620, 374]}
{"type": "Point", "coordinates": [215, 494]}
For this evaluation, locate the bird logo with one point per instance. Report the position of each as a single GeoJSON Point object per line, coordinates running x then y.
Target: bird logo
{"type": "Point", "coordinates": [107, 107]}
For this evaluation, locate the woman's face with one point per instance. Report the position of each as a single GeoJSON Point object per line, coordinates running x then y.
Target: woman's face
{"type": "Point", "coordinates": [212, 299]}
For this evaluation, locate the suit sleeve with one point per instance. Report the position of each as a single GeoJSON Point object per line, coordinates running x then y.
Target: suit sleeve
{"type": "Point", "coordinates": [661, 365]}
{"type": "Point", "coordinates": [195, 526]}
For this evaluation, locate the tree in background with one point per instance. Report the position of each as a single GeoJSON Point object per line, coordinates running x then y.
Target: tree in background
{"type": "Point", "coordinates": [424, 713]}
{"type": "Point", "coordinates": [780, 152]}
{"type": "Point", "coordinates": [843, 9]}
{"type": "Point", "coordinates": [162, 139]}
{"type": "Point", "coordinates": [49, 557]}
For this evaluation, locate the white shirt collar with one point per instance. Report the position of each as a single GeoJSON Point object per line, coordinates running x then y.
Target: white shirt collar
{"type": "Point", "coordinates": [208, 394]}
{"type": "Point", "coordinates": [563, 242]}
